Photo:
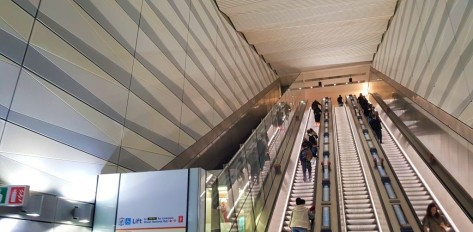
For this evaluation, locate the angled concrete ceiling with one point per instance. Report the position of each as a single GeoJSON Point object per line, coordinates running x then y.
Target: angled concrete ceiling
{"type": "Point", "coordinates": [297, 36]}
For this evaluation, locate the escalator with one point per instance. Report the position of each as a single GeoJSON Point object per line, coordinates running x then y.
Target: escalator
{"type": "Point", "coordinates": [357, 207]}
{"type": "Point", "coordinates": [413, 186]}
{"type": "Point", "coordinates": [304, 190]}
{"type": "Point", "coordinates": [301, 188]}
{"type": "Point", "coordinates": [423, 180]}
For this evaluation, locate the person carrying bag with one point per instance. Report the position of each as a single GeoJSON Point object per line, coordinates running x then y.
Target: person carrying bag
{"type": "Point", "coordinates": [300, 217]}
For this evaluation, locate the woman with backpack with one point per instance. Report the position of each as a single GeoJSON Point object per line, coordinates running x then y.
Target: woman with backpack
{"type": "Point", "coordinates": [305, 156]}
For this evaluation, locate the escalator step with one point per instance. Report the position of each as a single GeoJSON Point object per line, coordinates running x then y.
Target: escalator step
{"type": "Point", "coordinates": [303, 195]}
{"type": "Point", "coordinates": [415, 189]}
{"type": "Point", "coordinates": [359, 211]}
{"type": "Point", "coordinates": [362, 227]}
{"type": "Point", "coordinates": [356, 193]}
{"type": "Point", "coordinates": [360, 215]}
{"type": "Point", "coordinates": [411, 185]}
{"type": "Point", "coordinates": [361, 221]}
{"type": "Point", "coordinates": [351, 197]}
{"type": "Point", "coordinates": [401, 175]}
{"type": "Point", "coordinates": [419, 207]}
{"type": "Point", "coordinates": [423, 193]}
{"type": "Point", "coordinates": [357, 206]}
{"type": "Point", "coordinates": [354, 189]}
{"type": "Point", "coordinates": [360, 201]}
{"type": "Point", "coordinates": [359, 181]}
{"type": "Point", "coordinates": [409, 181]}
{"type": "Point", "coordinates": [355, 177]}
{"type": "Point", "coordinates": [421, 199]}
{"type": "Point", "coordinates": [354, 185]}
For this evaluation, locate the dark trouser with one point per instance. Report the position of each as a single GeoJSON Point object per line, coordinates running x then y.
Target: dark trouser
{"type": "Point", "coordinates": [261, 158]}
{"type": "Point", "coordinates": [306, 166]}
{"type": "Point", "coordinates": [379, 135]}
{"type": "Point", "coordinates": [317, 118]}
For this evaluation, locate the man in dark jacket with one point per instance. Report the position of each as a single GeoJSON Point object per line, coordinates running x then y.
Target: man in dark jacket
{"type": "Point", "coordinates": [317, 111]}
{"type": "Point", "coordinates": [315, 104]}
{"type": "Point", "coordinates": [375, 124]}
{"type": "Point", "coordinates": [340, 100]}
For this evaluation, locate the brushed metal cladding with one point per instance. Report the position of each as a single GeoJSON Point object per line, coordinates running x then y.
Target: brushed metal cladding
{"type": "Point", "coordinates": [447, 204]}
{"type": "Point", "coordinates": [436, 130]}
{"type": "Point", "coordinates": [217, 147]}
{"type": "Point", "coordinates": [386, 88]}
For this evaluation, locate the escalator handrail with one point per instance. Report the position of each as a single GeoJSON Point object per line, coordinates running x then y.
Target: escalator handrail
{"type": "Point", "coordinates": [341, 204]}
{"type": "Point", "coordinates": [287, 149]}
{"type": "Point", "coordinates": [458, 193]}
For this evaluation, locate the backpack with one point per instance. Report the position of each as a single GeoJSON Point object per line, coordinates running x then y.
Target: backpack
{"type": "Point", "coordinates": [304, 155]}
{"type": "Point", "coordinates": [309, 155]}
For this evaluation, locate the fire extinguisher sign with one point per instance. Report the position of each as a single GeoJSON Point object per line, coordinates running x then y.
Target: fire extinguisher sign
{"type": "Point", "coordinates": [13, 195]}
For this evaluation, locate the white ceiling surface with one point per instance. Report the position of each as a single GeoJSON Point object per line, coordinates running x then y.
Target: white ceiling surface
{"type": "Point", "coordinates": [296, 36]}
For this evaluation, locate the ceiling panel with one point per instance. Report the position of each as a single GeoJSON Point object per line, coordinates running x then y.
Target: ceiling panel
{"type": "Point", "coordinates": [303, 35]}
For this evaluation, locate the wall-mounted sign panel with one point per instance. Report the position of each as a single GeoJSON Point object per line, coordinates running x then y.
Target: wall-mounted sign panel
{"type": "Point", "coordinates": [14, 195]}
{"type": "Point", "coordinates": [153, 201]}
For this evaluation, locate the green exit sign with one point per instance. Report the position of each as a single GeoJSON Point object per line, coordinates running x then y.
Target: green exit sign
{"type": "Point", "coordinates": [3, 194]}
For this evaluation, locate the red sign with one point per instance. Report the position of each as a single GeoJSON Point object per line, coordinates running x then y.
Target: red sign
{"type": "Point", "coordinates": [14, 195]}
{"type": "Point", "coordinates": [17, 195]}
{"type": "Point", "coordinates": [180, 219]}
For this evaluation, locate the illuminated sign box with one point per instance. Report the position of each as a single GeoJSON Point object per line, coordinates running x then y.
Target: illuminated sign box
{"type": "Point", "coordinates": [156, 201]}
{"type": "Point", "coordinates": [14, 195]}
{"type": "Point", "coordinates": [153, 201]}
